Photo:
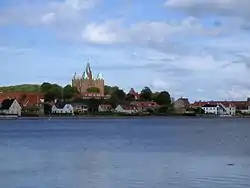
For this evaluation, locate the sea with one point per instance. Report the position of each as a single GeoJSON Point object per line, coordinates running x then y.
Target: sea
{"type": "Point", "coordinates": [145, 152]}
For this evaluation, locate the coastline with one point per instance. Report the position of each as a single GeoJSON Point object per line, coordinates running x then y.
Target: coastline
{"type": "Point", "coordinates": [116, 117]}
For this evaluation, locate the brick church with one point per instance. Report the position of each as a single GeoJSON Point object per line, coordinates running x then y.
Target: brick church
{"type": "Point", "coordinates": [89, 86]}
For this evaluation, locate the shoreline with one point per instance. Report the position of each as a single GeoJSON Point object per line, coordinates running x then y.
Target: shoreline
{"type": "Point", "coordinates": [117, 117]}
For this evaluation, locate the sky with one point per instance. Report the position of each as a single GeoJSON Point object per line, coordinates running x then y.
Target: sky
{"type": "Point", "coordinates": [191, 48]}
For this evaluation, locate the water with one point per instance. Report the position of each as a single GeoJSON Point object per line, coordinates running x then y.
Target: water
{"type": "Point", "coordinates": [124, 153]}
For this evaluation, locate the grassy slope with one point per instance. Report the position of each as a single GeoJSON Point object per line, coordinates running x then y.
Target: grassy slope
{"type": "Point", "coordinates": [21, 88]}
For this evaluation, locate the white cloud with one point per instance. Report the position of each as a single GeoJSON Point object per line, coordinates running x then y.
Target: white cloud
{"type": "Point", "coordinates": [106, 33]}
{"type": "Point", "coordinates": [48, 12]}
{"type": "Point", "coordinates": [144, 32]}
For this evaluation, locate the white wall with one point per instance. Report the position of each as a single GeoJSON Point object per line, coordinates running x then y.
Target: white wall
{"type": "Point", "coordinates": [210, 110]}
{"type": "Point", "coordinates": [67, 109]}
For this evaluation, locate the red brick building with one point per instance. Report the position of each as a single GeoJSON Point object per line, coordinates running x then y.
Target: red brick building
{"type": "Point", "coordinates": [87, 85]}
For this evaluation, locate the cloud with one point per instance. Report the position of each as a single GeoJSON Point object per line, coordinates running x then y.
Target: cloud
{"type": "Point", "coordinates": [144, 33]}
{"type": "Point", "coordinates": [46, 13]}
{"type": "Point", "coordinates": [236, 8]}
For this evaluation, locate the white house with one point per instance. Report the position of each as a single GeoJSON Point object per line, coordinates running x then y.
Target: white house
{"type": "Point", "coordinates": [10, 107]}
{"type": "Point", "coordinates": [125, 109]}
{"type": "Point", "coordinates": [220, 109]}
{"type": "Point", "coordinates": [226, 109]}
{"type": "Point", "coordinates": [105, 108]}
{"type": "Point", "coordinates": [80, 107]}
{"type": "Point", "coordinates": [62, 109]}
{"type": "Point", "coordinates": [211, 109]}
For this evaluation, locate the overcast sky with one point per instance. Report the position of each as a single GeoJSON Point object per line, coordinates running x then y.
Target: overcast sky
{"type": "Point", "coordinates": [198, 49]}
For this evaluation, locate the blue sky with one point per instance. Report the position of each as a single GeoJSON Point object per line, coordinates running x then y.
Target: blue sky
{"type": "Point", "coordinates": [194, 49]}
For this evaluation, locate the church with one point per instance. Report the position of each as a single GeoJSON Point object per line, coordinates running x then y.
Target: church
{"type": "Point", "coordinates": [88, 85]}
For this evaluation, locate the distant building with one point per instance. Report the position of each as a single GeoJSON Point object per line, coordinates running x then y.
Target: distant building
{"type": "Point", "coordinates": [10, 107]}
{"type": "Point", "coordinates": [144, 105]}
{"type": "Point", "coordinates": [126, 109]}
{"type": "Point", "coordinates": [211, 109]}
{"type": "Point", "coordinates": [219, 109]}
{"type": "Point", "coordinates": [181, 105]}
{"type": "Point", "coordinates": [62, 108]}
{"type": "Point", "coordinates": [87, 85]}
{"type": "Point", "coordinates": [105, 108]}
{"type": "Point", "coordinates": [226, 107]}
{"type": "Point", "coordinates": [133, 93]}
{"type": "Point", "coordinates": [25, 99]}
{"type": "Point", "coordinates": [80, 107]}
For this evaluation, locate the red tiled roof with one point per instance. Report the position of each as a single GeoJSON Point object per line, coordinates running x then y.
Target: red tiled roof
{"type": "Point", "coordinates": [128, 107]}
{"type": "Point", "coordinates": [237, 104]}
{"type": "Point", "coordinates": [134, 93]}
{"type": "Point", "coordinates": [24, 99]}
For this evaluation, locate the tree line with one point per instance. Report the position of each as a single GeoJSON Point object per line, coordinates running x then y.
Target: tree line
{"type": "Point", "coordinates": [68, 93]}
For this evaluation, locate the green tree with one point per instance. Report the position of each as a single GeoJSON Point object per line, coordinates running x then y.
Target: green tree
{"type": "Point", "coordinates": [199, 111]}
{"type": "Point", "coordinates": [163, 98]}
{"type": "Point", "coordinates": [69, 92]}
{"type": "Point", "coordinates": [146, 94]}
{"type": "Point", "coordinates": [93, 90]}
{"type": "Point", "coordinates": [130, 97]}
{"type": "Point", "coordinates": [51, 91]}
{"type": "Point", "coordinates": [118, 96]}
{"type": "Point", "coordinates": [93, 105]}
{"type": "Point", "coordinates": [108, 90]}
{"type": "Point", "coordinates": [45, 87]}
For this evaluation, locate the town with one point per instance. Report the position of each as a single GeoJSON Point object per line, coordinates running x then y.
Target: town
{"type": "Point", "coordinates": [88, 95]}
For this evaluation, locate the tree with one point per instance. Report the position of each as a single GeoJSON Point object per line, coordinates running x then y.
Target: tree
{"type": "Point", "coordinates": [163, 98]}
{"type": "Point", "coordinates": [51, 91]}
{"type": "Point", "coordinates": [118, 96]}
{"type": "Point", "coordinates": [93, 90]}
{"type": "Point", "coordinates": [146, 94]}
{"type": "Point", "coordinates": [93, 105]}
{"type": "Point", "coordinates": [47, 108]}
{"type": "Point", "coordinates": [108, 90]}
{"type": "Point", "coordinates": [69, 92]}
{"type": "Point", "coordinates": [199, 111]}
{"type": "Point", "coordinates": [130, 97]}
{"type": "Point", "coordinates": [121, 95]}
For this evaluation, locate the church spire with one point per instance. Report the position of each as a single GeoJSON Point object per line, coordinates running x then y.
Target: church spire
{"type": "Point", "coordinates": [88, 71]}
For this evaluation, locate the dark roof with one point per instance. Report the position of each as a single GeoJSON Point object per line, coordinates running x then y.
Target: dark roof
{"type": "Point", "coordinates": [60, 105]}
{"type": "Point", "coordinates": [210, 105]}
{"type": "Point", "coordinates": [6, 104]}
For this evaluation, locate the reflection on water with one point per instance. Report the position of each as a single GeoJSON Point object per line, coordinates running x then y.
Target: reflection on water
{"type": "Point", "coordinates": [106, 153]}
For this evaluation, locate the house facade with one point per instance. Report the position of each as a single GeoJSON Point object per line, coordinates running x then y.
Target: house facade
{"type": "Point", "coordinates": [80, 107]}
{"type": "Point", "coordinates": [211, 109]}
{"type": "Point", "coordinates": [105, 108]}
{"type": "Point", "coordinates": [62, 109]}
{"type": "Point", "coordinates": [220, 109]}
{"type": "Point", "coordinates": [181, 105]}
{"type": "Point", "coordinates": [231, 107]}
{"type": "Point", "coordinates": [144, 106]}
{"type": "Point", "coordinates": [10, 107]}
{"type": "Point", "coordinates": [126, 109]}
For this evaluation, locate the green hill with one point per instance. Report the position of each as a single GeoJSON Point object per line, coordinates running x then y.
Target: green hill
{"type": "Point", "coordinates": [21, 88]}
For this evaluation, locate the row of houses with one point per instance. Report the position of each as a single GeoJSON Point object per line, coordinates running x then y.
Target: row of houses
{"type": "Point", "coordinates": [18, 102]}
{"type": "Point", "coordinates": [223, 107]}
{"type": "Point", "coordinates": [133, 107]}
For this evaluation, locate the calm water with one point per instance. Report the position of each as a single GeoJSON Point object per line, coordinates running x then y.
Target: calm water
{"type": "Point", "coordinates": [125, 153]}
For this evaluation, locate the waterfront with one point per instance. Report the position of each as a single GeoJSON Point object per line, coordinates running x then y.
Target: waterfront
{"type": "Point", "coordinates": [136, 152]}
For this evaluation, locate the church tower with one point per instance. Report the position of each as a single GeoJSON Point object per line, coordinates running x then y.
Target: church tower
{"type": "Point", "coordinates": [87, 85]}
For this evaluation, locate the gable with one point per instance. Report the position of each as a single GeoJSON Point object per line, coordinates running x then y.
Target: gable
{"type": "Point", "coordinates": [6, 104]}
